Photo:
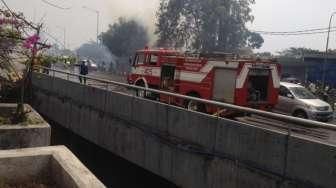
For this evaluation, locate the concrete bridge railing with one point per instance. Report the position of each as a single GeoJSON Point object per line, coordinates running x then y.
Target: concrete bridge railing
{"type": "Point", "coordinates": [188, 148]}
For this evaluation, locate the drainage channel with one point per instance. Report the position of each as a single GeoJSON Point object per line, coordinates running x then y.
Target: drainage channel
{"type": "Point", "coordinates": [112, 170]}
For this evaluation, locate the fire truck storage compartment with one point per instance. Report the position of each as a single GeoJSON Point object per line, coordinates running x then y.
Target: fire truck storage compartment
{"type": "Point", "coordinates": [224, 85]}
{"type": "Point", "coordinates": [167, 77]}
{"type": "Point", "coordinates": [258, 80]}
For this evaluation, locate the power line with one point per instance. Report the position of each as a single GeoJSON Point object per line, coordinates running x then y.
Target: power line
{"type": "Point", "coordinates": [298, 31]}
{"type": "Point", "coordinates": [51, 36]}
{"type": "Point", "coordinates": [54, 38]}
{"type": "Point", "coordinates": [294, 33]}
{"type": "Point", "coordinates": [19, 17]}
{"type": "Point", "coordinates": [56, 6]}
{"type": "Point", "coordinates": [3, 2]}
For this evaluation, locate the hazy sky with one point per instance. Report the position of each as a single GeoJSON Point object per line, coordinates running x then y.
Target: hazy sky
{"type": "Point", "coordinates": [270, 15]}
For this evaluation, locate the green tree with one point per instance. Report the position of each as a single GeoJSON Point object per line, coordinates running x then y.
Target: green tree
{"type": "Point", "coordinates": [264, 55]}
{"type": "Point", "coordinates": [293, 52]}
{"type": "Point", "coordinates": [207, 25]}
{"type": "Point", "coordinates": [125, 37]}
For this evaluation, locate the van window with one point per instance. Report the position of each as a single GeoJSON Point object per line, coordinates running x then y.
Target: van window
{"type": "Point", "coordinates": [302, 93]}
{"type": "Point", "coordinates": [284, 91]}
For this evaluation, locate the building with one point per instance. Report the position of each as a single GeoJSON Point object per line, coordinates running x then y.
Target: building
{"type": "Point", "coordinates": [309, 67]}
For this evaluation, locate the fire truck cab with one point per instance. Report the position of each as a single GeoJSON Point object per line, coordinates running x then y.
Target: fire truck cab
{"type": "Point", "coordinates": [221, 77]}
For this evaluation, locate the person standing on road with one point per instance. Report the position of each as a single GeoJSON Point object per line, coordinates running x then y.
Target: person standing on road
{"type": "Point", "coordinates": [83, 70]}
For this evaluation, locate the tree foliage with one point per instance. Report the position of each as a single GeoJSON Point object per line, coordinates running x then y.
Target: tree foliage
{"type": "Point", "coordinates": [264, 55]}
{"type": "Point", "coordinates": [48, 60]}
{"type": "Point", "coordinates": [125, 36]}
{"type": "Point", "coordinates": [208, 25]}
{"type": "Point", "coordinates": [13, 47]}
{"type": "Point", "coordinates": [19, 43]}
{"type": "Point", "coordinates": [294, 52]}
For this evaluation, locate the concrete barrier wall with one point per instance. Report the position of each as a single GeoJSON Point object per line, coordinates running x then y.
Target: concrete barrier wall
{"type": "Point", "coordinates": [190, 149]}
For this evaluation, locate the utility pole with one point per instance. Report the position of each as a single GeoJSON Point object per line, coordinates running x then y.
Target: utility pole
{"type": "Point", "coordinates": [64, 36]}
{"type": "Point", "coordinates": [98, 14]}
{"type": "Point", "coordinates": [326, 52]}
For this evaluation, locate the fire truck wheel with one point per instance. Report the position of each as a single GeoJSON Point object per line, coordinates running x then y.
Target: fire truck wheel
{"type": "Point", "coordinates": [139, 92]}
{"type": "Point", "coordinates": [193, 105]}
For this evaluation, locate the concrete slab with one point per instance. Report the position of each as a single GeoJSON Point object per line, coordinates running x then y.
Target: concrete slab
{"type": "Point", "coordinates": [94, 97]}
{"type": "Point", "coordinates": [60, 86]}
{"type": "Point", "coordinates": [255, 179]}
{"type": "Point", "coordinates": [41, 102]}
{"type": "Point", "coordinates": [312, 162]}
{"type": "Point", "coordinates": [137, 147]}
{"type": "Point", "coordinates": [253, 145]}
{"type": "Point", "coordinates": [193, 127]}
{"type": "Point", "coordinates": [53, 112]}
{"type": "Point", "coordinates": [162, 117]}
{"type": "Point", "coordinates": [186, 164]}
{"type": "Point", "coordinates": [152, 155]}
{"type": "Point", "coordinates": [75, 118]}
{"type": "Point", "coordinates": [95, 123]}
{"type": "Point", "coordinates": [119, 105]}
{"type": "Point", "coordinates": [48, 165]}
{"type": "Point", "coordinates": [84, 127]}
{"type": "Point", "coordinates": [41, 81]}
{"type": "Point", "coordinates": [108, 133]}
{"type": "Point", "coordinates": [166, 161]}
{"type": "Point", "coordinates": [75, 91]}
{"type": "Point", "coordinates": [251, 155]}
{"type": "Point", "coordinates": [62, 112]}
{"type": "Point", "coordinates": [121, 141]}
{"type": "Point", "coordinates": [67, 114]}
{"type": "Point", "coordinates": [35, 132]}
{"type": "Point", "coordinates": [145, 112]}
{"type": "Point", "coordinates": [221, 173]}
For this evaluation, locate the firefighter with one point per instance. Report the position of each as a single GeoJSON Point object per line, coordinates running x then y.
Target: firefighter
{"type": "Point", "coordinates": [252, 92]}
{"type": "Point", "coordinates": [83, 70]}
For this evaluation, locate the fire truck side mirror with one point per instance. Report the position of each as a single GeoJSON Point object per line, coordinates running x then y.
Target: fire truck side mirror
{"type": "Point", "coordinates": [130, 61]}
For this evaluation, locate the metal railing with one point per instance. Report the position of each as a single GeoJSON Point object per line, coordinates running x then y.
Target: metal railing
{"type": "Point", "coordinates": [280, 117]}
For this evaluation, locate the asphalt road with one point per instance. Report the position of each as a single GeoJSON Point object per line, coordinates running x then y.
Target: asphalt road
{"type": "Point", "coordinates": [96, 74]}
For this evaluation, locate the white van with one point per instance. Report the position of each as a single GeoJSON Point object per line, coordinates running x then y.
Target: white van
{"type": "Point", "coordinates": [297, 101]}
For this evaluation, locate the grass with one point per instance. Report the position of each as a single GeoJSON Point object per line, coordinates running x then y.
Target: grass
{"type": "Point", "coordinates": [31, 121]}
{"type": "Point", "coordinates": [41, 183]}
{"type": "Point", "coordinates": [33, 184]}
{"type": "Point", "coordinates": [5, 120]}
{"type": "Point", "coordinates": [28, 119]}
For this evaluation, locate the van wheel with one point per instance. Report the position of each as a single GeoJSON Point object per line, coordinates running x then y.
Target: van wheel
{"type": "Point", "coordinates": [194, 105]}
{"type": "Point", "coordinates": [300, 114]}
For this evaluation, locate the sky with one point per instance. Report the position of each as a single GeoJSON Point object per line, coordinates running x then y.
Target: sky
{"type": "Point", "coordinates": [270, 15]}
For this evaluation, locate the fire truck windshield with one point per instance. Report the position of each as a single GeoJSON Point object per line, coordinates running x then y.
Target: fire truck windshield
{"type": "Point", "coordinates": [139, 60]}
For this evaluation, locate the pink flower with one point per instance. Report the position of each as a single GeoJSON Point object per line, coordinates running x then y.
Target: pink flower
{"type": "Point", "coordinates": [30, 42]}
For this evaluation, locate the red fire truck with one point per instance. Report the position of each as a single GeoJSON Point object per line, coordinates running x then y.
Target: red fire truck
{"type": "Point", "coordinates": [217, 76]}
